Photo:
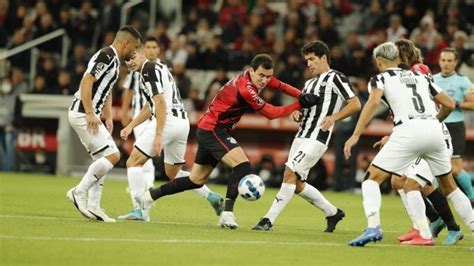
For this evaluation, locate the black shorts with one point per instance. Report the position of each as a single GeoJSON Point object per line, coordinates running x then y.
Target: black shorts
{"type": "Point", "coordinates": [458, 138]}
{"type": "Point", "coordinates": [213, 145]}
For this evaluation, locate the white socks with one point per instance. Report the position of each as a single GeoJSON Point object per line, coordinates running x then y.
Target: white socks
{"type": "Point", "coordinates": [281, 199]}
{"type": "Point", "coordinates": [149, 173]}
{"type": "Point", "coordinates": [313, 196]}
{"type": "Point", "coordinates": [463, 207]}
{"type": "Point", "coordinates": [372, 200]}
{"type": "Point", "coordinates": [96, 171]}
{"type": "Point", "coordinates": [403, 197]}
{"type": "Point", "coordinates": [95, 194]}
{"type": "Point", "coordinates": [417, 209]}
{"type": "Point", "coordinates": [136, 183]}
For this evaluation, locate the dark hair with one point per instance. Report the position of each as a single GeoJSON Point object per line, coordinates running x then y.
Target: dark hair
{"type": "Point", "coordinates": [319, 49]}
{"type": "Point", "coordinates": [451, 50]}
{"type": "Point", "coordinates": [151, 39]}
{"type": "Point", "coordinates": [263, 60]}
{"type": "Point", "coordinates": [132, 30]}
{"type": "Point", "coordinates": [407, 52]}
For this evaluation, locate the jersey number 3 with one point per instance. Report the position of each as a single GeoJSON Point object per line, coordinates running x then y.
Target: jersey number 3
{"type": "Point", "coordinates": [417, 101]}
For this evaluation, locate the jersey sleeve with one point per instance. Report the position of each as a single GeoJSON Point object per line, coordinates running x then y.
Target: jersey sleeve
{"type": "Point", "coordinates": [287, 89]}
{"type": "Point", "coordinates": [376, 82]}
{"type": "Point", "coordinates": [342, 86]}
{"type": "Point", "coordinates": [250, 96]}
{"type": "Point", "coordinates": [99, 63]}
{"type": "Point", "coordinates": [434, 88]}
{"type": "Point", "coordinates": [152, 78]}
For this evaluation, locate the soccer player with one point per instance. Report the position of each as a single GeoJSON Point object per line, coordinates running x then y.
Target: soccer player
{"type": "Point", "coordinates": [237, 97]}
{"type": "Point", "coordinates": [312, 138]}
{"type": "Point", "coordinates": [461, 90]}
{"type": "Point", "coordinates": [417, 133]}
{"type": "Point", "coordinates": [92, 100]}
{"type": "Point", "coordinates": [167, 129]}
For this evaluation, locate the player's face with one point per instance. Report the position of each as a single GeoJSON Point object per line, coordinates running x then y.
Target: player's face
{"type": "Point", "coordinates": [136, 61]}
{"type": "Point", "coordinates": [260, 77]}
{"type": "Point", "coordinates": [447, 62]}
{"type": "Point", "coordinates": [315, 64]}
{"type": "Point", "coordinates": [131, 45]}
{"type": "Point", "coordinates": [152, 50]}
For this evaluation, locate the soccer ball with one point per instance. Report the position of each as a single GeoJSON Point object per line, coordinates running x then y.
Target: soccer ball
{"type": "Point", "coordinates": [251, 187]}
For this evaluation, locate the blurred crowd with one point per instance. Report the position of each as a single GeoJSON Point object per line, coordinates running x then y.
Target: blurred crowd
{"type": "Point", "coordinates": [222, 36]}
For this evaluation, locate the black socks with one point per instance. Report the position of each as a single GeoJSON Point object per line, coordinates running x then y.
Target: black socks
{"type": "Point", "coordinates": [175, 186]}
{"type": "Point", "coordinates": [238, 172]}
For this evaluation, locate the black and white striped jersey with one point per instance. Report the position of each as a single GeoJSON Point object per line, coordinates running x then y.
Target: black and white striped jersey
{"type": "Point", "coordinates": [334, 89]}
{"type": "Point", "coordinates": [132, 82]}
{"type": "Point", "coordinates": [156, 78]}
{"type": "Point", "coordinates": [104, 66]}
{"type": "Point", "coordinates": [408, 94]}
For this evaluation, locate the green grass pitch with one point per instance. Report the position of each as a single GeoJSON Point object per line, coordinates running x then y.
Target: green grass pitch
{"type": "Point", "coordinates": [39, 226]}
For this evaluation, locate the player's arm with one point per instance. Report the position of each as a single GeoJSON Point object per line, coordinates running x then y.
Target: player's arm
{"type": "Point", "coordinates": [366, 115]}
{"type": "Point", "coordinates": [287, 89]}
{"type": "Point", "coordinates": [442, 99]}
{"type": "Point", "coordinates": [86, 84]}
{"type": "Point", "coordinates": [144, 114]}
{"type": "Point", "coordinates": [127, 96]}
{"type": "Point", "coordinates": [108, 114]}
{"type": "Point", "coordinates": [468, 103]}
{"type": "Point", "coordinates": [160, 113]}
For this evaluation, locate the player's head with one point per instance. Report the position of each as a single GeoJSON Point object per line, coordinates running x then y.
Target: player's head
{"type": "Point", "coordinates": [151, 48]}
{"type": "Point", "coordinates": [137, 60]}
{"type": "Point", "coordinates": [408, 53]}
{"type": "Point", "coordinates": [317, 55]}
{"type": "Point", "coordinates": [448, 60]}
{"type": "Point", "coordinates": [126, 41]}
{"type": "Point", "coordinates": [386, 56]}
{"type": "Point", "coordinates": [261, 70]}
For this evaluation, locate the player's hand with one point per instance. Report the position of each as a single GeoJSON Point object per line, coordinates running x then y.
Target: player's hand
{"type": "Point", "coordinates": [157, 145]}
{"type": "Point", "coordinates": [349, 144]}
{"type": "Point", "coordinates": [327, 123]}
{"type": "Point", "coordinates": [379, 144]}
{"type": "Point", "coordinates": [92, 123]}
{"type": "Point", "coordinates": [109, 124]}
{"type": "Point", "coordinates": [125, 132]}
{"type": "Point", "coordinates": [296, 116]}
{"type": "Point", "coordinates": [308, 100]}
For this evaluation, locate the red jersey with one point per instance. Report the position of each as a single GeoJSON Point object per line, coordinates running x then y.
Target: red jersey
{"type": "Point", "coordinates": [421, 68]}
{"type": "Point", "coordinates": [239, 96]}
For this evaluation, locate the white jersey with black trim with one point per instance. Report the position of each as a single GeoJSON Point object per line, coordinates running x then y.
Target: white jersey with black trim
{"type": "Point", "coordinates": [104, 66]}
{"type": "Point", "coordinates": [334, 88]}
{"type": "Point", "coordinates": [408, 94]}
{"type": "Point", "coordinates": [132, 82]}
{"type": "Point", "coordinates": [156, 78]}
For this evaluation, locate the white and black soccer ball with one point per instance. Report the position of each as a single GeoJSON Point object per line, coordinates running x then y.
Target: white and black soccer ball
{"type": "Point", "coordinates": [251, 187]}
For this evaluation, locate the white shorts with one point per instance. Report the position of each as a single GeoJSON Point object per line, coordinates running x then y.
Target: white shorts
{"type": "Point", "coordinates": [98, 145]}
{"type": "Point", "coordinates": [412, 139]}
{"type": "Point", "coordinates": [420, 172]}
{"type": "Point", "coordinates": [175, 137]}
{"type": "Point", "coordinates": [304, 154]}
{"type": "Point", "coordinates": [138, 130]}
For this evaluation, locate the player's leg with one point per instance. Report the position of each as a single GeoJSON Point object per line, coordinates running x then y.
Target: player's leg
{"type": "Point", "coordinates": [462, 178]}
{"type": "Point", "coordinates": [458, 140]}
{"type": "Point", "coordinates": [149, 173]}
{"type": "Point", "coordinates": [397, 184]}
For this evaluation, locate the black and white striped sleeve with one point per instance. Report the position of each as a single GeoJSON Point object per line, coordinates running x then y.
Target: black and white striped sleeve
{"type": "Point", "coordinates": [153, 79]}
{"type": "Point", "coordinates": [434, 88]}
{"type": "Point", "coordinates": [376, 82]}
{"type": "Point", "coordinates": [129, 81]}
{"type": "Point", "coordinates": [100, 62]}
{"type": "Point", "coordinates": [343, 86]}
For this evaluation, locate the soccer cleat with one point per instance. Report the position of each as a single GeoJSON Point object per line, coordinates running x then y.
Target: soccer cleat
{"type": "Point", "coordinates": [227, 220]}
{"type": "Point", "coordinates": [437, 226]}
{"type": "Point", "coordinates": [263, 225]}
{"type": "Point", "coordinates": [453, 237]}
{"type": "Point", "coordinates": [217, 202]}
{"type": "Point", "coordinates": [370, 234]}
{"type": "Point", "coordinates": [146, 202]}
{"type": "Point", "coordinates": [80, 202]}
{"type": "Point", "coordinates": [133, 215]}
{"type": "Point", "coordinates": [409, 235]}
{"type": "Point", "coordinates": [419, 241]}
{"type": "Point", "coordinates": [333, 220]}
{"type": "Point", "coordinates": [100, 215]}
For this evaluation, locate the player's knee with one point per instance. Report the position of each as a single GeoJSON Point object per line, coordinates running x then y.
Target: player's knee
{"type": "Point", "coordinates": [411, 185]}
{"type": "Point", "coordinates": [114, 158]}
{"type": "Point", "coordinates": [427, 190]}
{"type": "Point", "coordinates": [397, 181]}
{"type": "Point", "coordinates": [289, 176]}
{"type": "Point", "coordinates": [456, 170]}
{"type": "Point", "coordinates": [299, 186]}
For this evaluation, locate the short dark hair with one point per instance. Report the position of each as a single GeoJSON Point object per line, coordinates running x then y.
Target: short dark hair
{"type": "Point", "coordinates": [132, 30]}
{"type": "Point", "coordinates": [319, 49]}
{"type": "Point", "coordinates": [151, 39]}
{"type": "Point", "coordinates": [263, 60]}
{"type": "Point", "coordinates": [451, 50]}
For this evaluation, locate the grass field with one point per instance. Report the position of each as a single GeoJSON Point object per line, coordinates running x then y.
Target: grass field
{"type": "Point", "coordinates": [39, 226]}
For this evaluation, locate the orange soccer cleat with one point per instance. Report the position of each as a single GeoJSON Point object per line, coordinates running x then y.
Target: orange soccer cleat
{"type": "Point", "coordinates": [419, 241]}
{"type": "Point", "coordinates": [409, 236]}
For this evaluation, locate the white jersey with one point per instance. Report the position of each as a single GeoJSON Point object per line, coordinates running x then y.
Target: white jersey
{"type": "Point", "coordinates": [104, 66]}
{"type": "Point", "coordinates": [408, 95]}
{"type": "Point", "coordinates": [334, 88]}
{"type": "Point", "coordinates": [156, 78]}
{"type": "Point", "coordinates": [132, 82]}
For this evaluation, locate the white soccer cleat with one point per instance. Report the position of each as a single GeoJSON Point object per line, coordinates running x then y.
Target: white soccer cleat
{"type": "Point", "coordinates": [146, 202]}
{"type": "Point", "coordinates": [227, 220]}
{"type": "Point", "coordinates": [80, 202]}
{"type": "Point", "coordinates": [100, 215]}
